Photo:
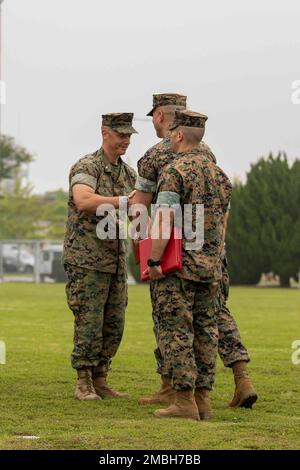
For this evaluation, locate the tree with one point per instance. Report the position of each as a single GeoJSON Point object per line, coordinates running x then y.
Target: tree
{"type": "Point", "coordinates": [24, 215]}
{"type": "Point", "coordinates": [56, 213]}
{"type": "Point", "coordinates": [264, 226]}
{"type": "Point", "coordinates": [12, 156]}
{"type": "Point", "coordinates": [20, 213]}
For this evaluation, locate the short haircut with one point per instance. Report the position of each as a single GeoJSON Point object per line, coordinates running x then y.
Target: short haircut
{"type": "Point", "coordinates": [192, 135]}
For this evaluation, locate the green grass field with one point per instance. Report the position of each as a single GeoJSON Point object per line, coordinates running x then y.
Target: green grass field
{"type": "Point", "coordinates": [37, 383]}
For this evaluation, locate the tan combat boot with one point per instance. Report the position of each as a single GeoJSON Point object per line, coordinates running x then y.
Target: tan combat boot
{"type": "Point", "coordinates": [104, 390]}
{"type": "Point", "coordinates": [84, 387]}
{"type": "Point", "coordinates": [184, 406]}
{"type": "Point", "coordinates": [164, 396]}
{"type": "Point", "coordinates": [244, 395]}
{"type": "Point", "coordinates": [203, 403]}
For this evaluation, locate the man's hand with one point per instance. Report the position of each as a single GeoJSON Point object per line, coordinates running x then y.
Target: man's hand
{"type": "Point", "coordinates": [131, 197]}
{"type": "Point", "coordinates": [142, 198]}
{"type": "Point", "coordinates": [155, 273]}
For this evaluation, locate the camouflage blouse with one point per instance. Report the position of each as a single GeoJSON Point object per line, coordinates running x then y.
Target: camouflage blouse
{"type": "Point", "coordinates": [82, 247]}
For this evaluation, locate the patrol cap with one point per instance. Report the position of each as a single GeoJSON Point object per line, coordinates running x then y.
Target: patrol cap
{"type": "Point", "coordinates": [120, 122]}
{"type": "Point", "coordinates": [188, 119]}
{"type": "Point", "coordinates": [168, 99]}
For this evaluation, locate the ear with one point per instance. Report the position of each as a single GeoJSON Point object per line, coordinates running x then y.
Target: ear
{"type": "Point", "coordinates": [104, 132]}
{"type": "Point", "coordinates": [161, 116]}
{"type": "Point", "coordinates": [180, 136]}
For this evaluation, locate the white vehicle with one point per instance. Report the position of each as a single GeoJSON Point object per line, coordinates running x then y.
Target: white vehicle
{"type": "Point", "coordinates": [51, 265]}
{"type": "Point", "coordinates": [17, 258]}
{"type": "Point", "coordinates": [26, 262]}
{"type": "Point", "coordinates": [21, 258]}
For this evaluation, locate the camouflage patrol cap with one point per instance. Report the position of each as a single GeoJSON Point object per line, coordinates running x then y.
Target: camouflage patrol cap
{"type": "Point", "coordinates": [120, 122]}
{"type": "Point", "coordinates": [168, 99]}
{"type": "Point", "coordinates": [188, 119]}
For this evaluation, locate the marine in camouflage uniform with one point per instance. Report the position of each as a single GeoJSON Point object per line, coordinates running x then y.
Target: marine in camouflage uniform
{"type": "Point", "coordinates": [96, 268]}
{"type": "Point", "coordinates": [187, 301]}
{"type": "Point", "coordinates": [230, 347]}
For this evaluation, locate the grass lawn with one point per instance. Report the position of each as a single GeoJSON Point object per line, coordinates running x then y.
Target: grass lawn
{"type": "Point", "coordinates": [37, 383]}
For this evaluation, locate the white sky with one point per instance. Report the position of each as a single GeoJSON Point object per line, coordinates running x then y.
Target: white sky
{"type": "Point", "coordinates": [66, 62]}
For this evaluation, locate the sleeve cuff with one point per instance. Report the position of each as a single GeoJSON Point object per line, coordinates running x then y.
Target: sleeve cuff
{"type": "Point", "coordinates": [168, 198]}
{"type": "Point", "coordinates": [83, 178]}
{"type": "Point", "coordinates": [147, 186]}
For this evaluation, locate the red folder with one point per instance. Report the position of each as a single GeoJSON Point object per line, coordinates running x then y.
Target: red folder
{"type": "Point", "coordinates": [172, 257]}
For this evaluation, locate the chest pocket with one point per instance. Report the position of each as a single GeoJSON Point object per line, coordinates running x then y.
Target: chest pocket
{"type": "Point", "coordinates": [114, 183]}
{"type": "Point", "coordinates": [105, 185]}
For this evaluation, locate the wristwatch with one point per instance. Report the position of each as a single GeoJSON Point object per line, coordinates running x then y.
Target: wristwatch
{"type": "Point", "coordinates": [152, 262]}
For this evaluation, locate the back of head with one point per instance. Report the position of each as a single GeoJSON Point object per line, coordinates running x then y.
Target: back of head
{"type": "Point", "coordinates": [189, 128]}
{"type": "Point", "coordinates": [192, 135]}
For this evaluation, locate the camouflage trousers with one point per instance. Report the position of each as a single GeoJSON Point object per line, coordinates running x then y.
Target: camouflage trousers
{"type": "Point", "coordinates": [230, 346]}
{"type": "Point", "coordinates": [186, 330]}
{"type": "Point", "coordinates": [98, 301]}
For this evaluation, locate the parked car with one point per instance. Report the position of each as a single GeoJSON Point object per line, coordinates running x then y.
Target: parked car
{"type": "Point", "coordinates": [17, 258]}
{"type": "Point", "coordinates": [51, 265]}
{"type": "Point", "coordinates": [26, 262]}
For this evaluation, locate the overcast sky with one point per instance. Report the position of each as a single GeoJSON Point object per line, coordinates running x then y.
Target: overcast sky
{"type": "Point", "coordinates": [66, 62]}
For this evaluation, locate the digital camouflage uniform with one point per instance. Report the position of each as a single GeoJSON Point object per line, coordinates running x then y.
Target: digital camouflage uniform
{"type": "Point", "coordinates": [230, 346]}
{"type": "Point", "coordinates": [187, 328]}
{"type": "Point", "coordinates": [96, 269]}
